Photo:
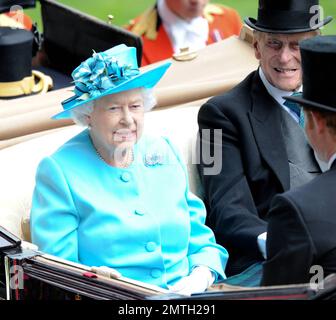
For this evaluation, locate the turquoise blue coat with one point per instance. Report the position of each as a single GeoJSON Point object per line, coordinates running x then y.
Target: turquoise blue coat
{"type": "Point", "coordinates": [141, 220]}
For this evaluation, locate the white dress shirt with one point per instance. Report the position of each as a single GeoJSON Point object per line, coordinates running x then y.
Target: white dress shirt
{"type": "Point", "coordinates": [323, 164]}
{"type": "Point", "coordinates": [331, 160]}
{"type": "Point", "coordinates": [262, 238]}
{"type": "Point", "coordinates": [183, 33]}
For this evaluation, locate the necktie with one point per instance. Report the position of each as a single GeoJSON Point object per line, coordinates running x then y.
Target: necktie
{"type": "Point", "coordinates": [295, 107]}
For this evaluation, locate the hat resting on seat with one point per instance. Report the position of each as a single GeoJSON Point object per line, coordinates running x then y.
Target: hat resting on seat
{"type": "Point", "coordinates": [288, 16]}
{"type": "Point", "coordinates": [109, 72]}
{"type": "Point", "coordinates": [319, 73]}
{"type": "Point", "coordinates": [16, 75]}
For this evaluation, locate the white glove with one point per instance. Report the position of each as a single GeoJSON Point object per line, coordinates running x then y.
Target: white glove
{"type": "Point", "coordinates": [262, 244]}
{"type": "Point", "coordinates": [198, 281]}
{"type": "Point", "coordinates": [106, 272]}
{"type": "Point", "coordinates": [28, 246]}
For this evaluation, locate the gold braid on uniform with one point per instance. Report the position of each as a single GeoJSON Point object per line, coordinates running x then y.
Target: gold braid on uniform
{"type": "Point", "coordinates": [147, 25]}
{"type": "Point", "coordinates": [211, 9]}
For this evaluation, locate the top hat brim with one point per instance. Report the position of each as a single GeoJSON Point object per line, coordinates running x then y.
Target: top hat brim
{"type": "Point", "coordinates": [251, 22]}
{"type": "Point", "coordinates": [147, 79]}
{"type": "Point", "coordinates": [309, 103]}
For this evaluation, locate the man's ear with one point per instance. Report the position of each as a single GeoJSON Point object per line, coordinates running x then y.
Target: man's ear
{"type": "Point", "coordinates": [256, 49]}
{"type": "Point", "coordinates": [308, 119]}
{"type": "Point", "coordinates": [319, 122]}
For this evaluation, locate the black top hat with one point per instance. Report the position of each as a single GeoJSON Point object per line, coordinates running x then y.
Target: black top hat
{"type": "Point", "coordinates": [15, 54]}
{"type": "Point", "coordinates": [16, 62]}
{"type": "Point", "coordinates": [319, 73]}
{"type": "Point", "coordinates": [287, 16]}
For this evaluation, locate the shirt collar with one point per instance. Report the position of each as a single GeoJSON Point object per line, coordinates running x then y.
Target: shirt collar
{"type": "Point", "coordinates": [193, 33]}
{"type": "Point", "coordinates": [324, 165]}
{"type": "Point", "coordinates": [331, 160]}
{"type": "Point", "coordinates": [276, 93]}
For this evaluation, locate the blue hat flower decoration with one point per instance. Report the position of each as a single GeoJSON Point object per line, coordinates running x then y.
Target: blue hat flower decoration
{"type": "Point", "coordinates": [112, 71]}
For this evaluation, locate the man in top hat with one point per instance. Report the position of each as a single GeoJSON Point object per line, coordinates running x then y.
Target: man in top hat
{"type": "Point", "coordinates": [301, 222]}
{"type": "Point", "coordinates": [261, 148]}
{"type": "Point", "coordinates": [171, 25]}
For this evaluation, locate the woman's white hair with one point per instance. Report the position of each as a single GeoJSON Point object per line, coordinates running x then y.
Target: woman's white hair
{"type": "Point", "coordinates": [80, 114]}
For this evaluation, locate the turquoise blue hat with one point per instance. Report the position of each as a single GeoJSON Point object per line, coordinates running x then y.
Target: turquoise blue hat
{"type": "Point", "coordinates": [109, 72]}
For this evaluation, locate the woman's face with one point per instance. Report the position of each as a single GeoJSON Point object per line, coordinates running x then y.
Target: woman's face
{"type": "Point", "coordinates": [117, 120]}
{"type": "Point", "coordinates": [187, 9]}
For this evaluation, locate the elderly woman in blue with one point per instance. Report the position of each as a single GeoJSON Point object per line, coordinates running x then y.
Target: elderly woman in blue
{"type": "Point", "coordinates": [112, 196]}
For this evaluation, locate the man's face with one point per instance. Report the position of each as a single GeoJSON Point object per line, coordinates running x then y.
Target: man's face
{"type": "Point", "coordinates": [280, 58]}
{"type": "Point", "coordinates": [187, 9]}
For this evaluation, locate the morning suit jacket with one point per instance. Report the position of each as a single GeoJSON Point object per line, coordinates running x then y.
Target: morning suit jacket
{"type": "Point", "coordinates": [223, 23]}
{"type": "Point", "coordinates": [254, 167]}
{"type": "Point", "coordinates": [141, 220]}
{"type": "Point", "coordinates": [301, 232]}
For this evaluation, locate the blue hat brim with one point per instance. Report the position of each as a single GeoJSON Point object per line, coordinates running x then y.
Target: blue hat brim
{"type": "Point", "coordinates": [147, 79]}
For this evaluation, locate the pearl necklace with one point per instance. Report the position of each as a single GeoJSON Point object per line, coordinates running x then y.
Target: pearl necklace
{"type": "Point", "coordinates": [125, 163]}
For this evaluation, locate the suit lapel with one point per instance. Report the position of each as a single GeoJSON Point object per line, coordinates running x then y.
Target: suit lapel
{"type": "Point", "coordinates": [265, 118]}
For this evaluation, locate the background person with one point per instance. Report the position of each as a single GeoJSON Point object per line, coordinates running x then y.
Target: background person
{"type": "Point", "coordinates": [171, 25]}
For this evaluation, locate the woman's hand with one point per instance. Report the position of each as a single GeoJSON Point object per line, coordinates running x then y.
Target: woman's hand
{"type": "Point", "coordinates": [198, 281]}
{"type": "Point", "coordinates": [106, 272]}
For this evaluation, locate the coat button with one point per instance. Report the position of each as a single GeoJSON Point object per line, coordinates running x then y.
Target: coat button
{"type": "Point", "coordinates": [125, 177]}
{"type": "Point", "coordinates": [151, 246]}
{"type": "Point", "coordinates": [139, 212]}
{"type": "Point", "coordinates": [156, 273]}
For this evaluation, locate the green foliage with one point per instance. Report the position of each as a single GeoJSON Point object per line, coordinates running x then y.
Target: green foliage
{"type": "Point", "coordinates": [124, 10]}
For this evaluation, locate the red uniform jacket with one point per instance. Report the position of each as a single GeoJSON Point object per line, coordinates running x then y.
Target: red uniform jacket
{"type": "Point", "coordinates": [26, 20]}
{"type": "Point", "coordinates": [223, 23]}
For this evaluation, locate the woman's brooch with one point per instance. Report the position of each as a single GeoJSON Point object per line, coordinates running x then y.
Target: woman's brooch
{"type": "Point", "coordinates": [153, 159]}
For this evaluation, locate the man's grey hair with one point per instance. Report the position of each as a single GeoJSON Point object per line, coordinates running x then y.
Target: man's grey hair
{"type": "Point", "coordinates": [257, 35]}
{"type": "Point", "coordinates": [80, 114]}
